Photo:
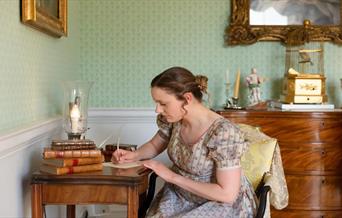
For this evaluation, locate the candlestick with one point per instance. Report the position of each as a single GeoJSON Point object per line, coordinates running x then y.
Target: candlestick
{"type": "Point", "coordinates": [237, 85]}
{"type": "Point", "coordinates": [227, 76]}
{"type": "Point", "coordinates": [227, 104]}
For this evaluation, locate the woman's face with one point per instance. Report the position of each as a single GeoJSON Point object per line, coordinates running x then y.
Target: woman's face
{"type": "Point", "coordinates": [167, 105]}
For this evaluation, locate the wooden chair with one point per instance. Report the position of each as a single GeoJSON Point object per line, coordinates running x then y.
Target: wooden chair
{"type": "Point", "coordinates": [255, 163]}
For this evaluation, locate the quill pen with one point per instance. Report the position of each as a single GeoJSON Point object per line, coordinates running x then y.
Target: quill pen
{"type": "Point", "coordinates": [106, 139]}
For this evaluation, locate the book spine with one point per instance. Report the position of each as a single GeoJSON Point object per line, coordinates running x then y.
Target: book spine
{"type": "Point", "coordinates": [72, 142]}
{"type": "Point", "coordinates": [48, 154]}
{"type": "Point", "coordinates": [78, 169]}
{"type": "Point", "coordinates": [69, 162]}
{"type": "Point", "coordinates": [72, 147]}
{"type": "Point", "coordinates": [82, 161]}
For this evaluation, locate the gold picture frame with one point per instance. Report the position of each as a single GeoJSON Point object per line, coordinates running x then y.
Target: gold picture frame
{"type": "Point", "coordinates": [47, 16]}
{"type": "Point", "coordinates": [241, 32]}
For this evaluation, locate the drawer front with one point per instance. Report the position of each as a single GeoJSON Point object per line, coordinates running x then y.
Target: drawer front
{"type": "Point", "coordinates": [304, 192]}
{"type": "Point", "coordinates": [308, 99]}
{"type": "Point", "coordinates": [305, 214]}
{"type": "Point", "coordinates": [296, 160]}
{"type": "Point", "coordinates": [331, 192]}
{"type": "Point", "coordinates": [294, 129]}
{"type": "Point", "coordinates": [308, 87]}
{"type": "Point", "coordinates": [318, 160]}
{"type": "Point", "coordinates": [314, 192]}
{"type": "Point", "coordinates": [304, 130]}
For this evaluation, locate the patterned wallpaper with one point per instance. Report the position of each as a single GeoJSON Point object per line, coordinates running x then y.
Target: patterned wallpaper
{"type": "Point", "coordinates": [31, 66]}
{"type": "Point", "coordinates": [121, 45]}
{"type": "Point", "coordinates": [125, 43]}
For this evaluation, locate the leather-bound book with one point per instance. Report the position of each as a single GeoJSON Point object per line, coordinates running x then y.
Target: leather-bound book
{"type": "Point", "coordinates": [70, 170]}
{"type": "Point", "coordinates": [72, 142]}
{"type": "Point", "coordinates": [69, 162]}
{"type": "Point", "coordinates": [82, 144]}
{"type": "Point", "coordinates": [48, 153]}
{"type": "Point", "coordinates": [72, 147]}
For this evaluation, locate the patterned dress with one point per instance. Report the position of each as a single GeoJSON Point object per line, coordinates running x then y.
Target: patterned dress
{"type": "Point", "coordinates": [220, 147]}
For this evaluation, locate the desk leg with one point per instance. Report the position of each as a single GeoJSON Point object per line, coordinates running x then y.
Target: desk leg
{"type": "Point", "coordinates": [71, 211]}
{"type": "Point", "coordinates": [133, 202]}
{"type": "Point", "coordinates": [36, 198]}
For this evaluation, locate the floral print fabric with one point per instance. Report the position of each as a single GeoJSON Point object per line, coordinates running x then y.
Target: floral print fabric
{"type": "Point", "coordinates": [221, 147]}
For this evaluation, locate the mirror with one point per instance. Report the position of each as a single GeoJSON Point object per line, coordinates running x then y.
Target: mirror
{"type": "Point", "coordinates": [290, 21]}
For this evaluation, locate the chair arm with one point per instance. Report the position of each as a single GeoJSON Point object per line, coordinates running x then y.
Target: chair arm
{"type": "Point", "coordinates": [149, 196]}
{"type": "Point", "coordinates": [261, 193]}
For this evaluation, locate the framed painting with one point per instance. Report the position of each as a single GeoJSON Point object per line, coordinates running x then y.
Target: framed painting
{"type": "Point", "coordinates": [290, 21]}
{"type": "Point", "coordinates": [48, 16]}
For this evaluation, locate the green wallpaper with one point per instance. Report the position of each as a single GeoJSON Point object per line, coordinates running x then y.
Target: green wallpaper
{"type": "Point", "coordinates": [125, 43]}
{"type": "Point", "coordinates": [121, 45]}
{"type": "Point", "coordinates": [31, 66]}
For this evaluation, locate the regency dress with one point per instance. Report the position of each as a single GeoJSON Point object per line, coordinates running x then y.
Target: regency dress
{"type": "Point", "coordinates": [220, 147]}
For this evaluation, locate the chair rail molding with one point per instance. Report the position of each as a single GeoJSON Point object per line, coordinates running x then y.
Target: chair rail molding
{"type": "Point", "coordinates": [23, 138]}
{"type": "Point", "coordinates": [119, 115]}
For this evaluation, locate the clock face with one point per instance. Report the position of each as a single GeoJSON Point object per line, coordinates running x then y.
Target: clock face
{"type": "Point", "coordinates": [308, 87]}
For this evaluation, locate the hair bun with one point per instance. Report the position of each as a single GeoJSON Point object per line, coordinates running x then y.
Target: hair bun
{"type": "Point", "coordinates": [202, 82]}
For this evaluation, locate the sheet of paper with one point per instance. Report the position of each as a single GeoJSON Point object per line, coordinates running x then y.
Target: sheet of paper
{"type": "Point", "coordinates": [123, 165]}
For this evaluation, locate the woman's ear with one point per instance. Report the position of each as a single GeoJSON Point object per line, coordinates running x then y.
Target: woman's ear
{"type": "Point", "coordinates": [188, 97]}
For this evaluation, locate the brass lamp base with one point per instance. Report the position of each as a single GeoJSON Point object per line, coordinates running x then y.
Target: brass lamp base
{"type": "Point", "coordinates": [74, 136]}
{"type": "Point", "coordinates": [233, 105]}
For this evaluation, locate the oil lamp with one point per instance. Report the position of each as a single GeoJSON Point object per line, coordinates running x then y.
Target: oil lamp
{"type": "Point", "coordinates": [75, 109]}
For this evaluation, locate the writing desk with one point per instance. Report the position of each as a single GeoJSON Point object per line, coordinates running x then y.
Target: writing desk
{"type": "Point", "coordinates": [109, 186]}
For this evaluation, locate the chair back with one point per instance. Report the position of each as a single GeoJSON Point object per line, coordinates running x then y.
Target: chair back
{"type": "Point", "coordinates": [257, 160]}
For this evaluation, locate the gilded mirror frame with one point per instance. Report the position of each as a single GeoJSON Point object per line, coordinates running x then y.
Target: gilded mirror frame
{"type": "Point", "coordinates": [240, 32]}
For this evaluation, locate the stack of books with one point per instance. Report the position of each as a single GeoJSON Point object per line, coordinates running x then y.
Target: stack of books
{"type": "Point", "coordinates": [71, 156]}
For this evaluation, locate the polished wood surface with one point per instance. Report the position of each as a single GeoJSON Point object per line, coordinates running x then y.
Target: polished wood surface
{"type": "Point", "coordinates": [109, 186]}
{"type": "Point", "coordinates": [307, 214]}
{"type": "Point", "coordinates": [311, 148]}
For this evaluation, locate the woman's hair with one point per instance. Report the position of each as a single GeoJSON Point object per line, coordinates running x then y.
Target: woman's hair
{"type": "Point", "coordinates": [178, 81]}
{"type": "Point", "coordinates": [202, 82]}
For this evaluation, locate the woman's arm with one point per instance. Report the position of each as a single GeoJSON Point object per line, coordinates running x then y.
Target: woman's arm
{"type": "Point", "coordinates": [225, 190]}
{"type": "Point", "coordinates": [146, 151]}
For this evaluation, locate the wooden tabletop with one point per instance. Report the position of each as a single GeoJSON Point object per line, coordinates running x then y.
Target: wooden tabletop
{"type": "Point", "coordinates": [109, 176]}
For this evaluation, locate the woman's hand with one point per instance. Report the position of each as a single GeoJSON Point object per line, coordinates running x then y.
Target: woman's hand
{"type": "Point", "coordinates": [160, 169]}
{"type": "Point", "coordinates": [124, 156]}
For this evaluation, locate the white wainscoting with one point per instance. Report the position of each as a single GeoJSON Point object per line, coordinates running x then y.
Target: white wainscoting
{"type": "Point", "coordinates": [136, 126]}
{"type": "Point", "coordinates": [20, 155]}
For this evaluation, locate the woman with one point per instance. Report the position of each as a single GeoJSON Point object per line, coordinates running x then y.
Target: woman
{"type": "Point", "coordinates": [206, 179]}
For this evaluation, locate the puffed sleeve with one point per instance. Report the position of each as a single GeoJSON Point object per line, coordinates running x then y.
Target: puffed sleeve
{"type": "Point", "coordinates": [165, 128]}
{"type": "Point", "coordinates": [226, 146]}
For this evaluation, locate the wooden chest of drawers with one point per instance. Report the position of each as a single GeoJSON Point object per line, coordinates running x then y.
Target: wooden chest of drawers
{"type": "Point", "coordinates": [311, 148]}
